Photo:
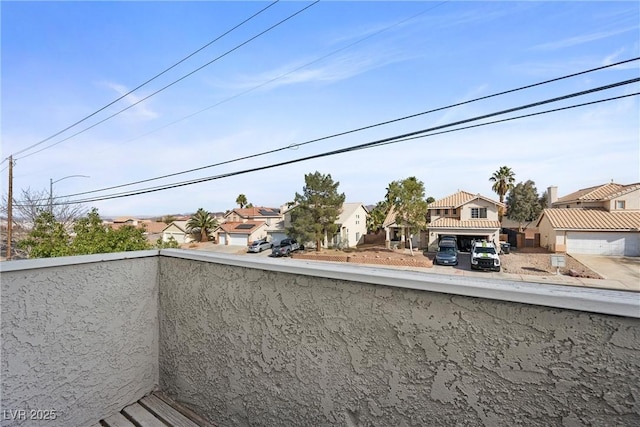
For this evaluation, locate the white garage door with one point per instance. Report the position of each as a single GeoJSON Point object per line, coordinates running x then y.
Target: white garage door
{"type": "Point", "coordinates": [604, 243]}
{"type": "Point", "coordinates": [238, 239]}
{"type": "Point", "coordinates": [277, 236]}
{"type": "Point", "coordinates": [179, 237]}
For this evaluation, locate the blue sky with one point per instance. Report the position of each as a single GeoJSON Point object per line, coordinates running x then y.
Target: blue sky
{"type": "Point", "coordinates": [334, 67]}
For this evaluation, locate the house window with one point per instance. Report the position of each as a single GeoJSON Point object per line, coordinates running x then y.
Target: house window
{"type": "Point", "coordinates": [478, 213]}
{"type": "Point", "coordinates": [446, 211]}
{"type": "Point", "coordinates": [437, 211]}
{"type": "Point", "coordinates": [454, 211]}
{"type": "Point", "coordinates": [357, 222]}
{"type": "Point", "coordinates": [620, 204]}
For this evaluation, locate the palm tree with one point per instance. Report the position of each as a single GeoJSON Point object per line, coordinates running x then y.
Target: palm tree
{"type": "Point", "coordinates": [241, 200]}
{"type": "Point", "coordinates": [201, 223]}
{"type": "Point", "coordinates": [503, 180]}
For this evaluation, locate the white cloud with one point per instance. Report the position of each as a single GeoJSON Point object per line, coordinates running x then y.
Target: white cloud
{"type": "Point", "coordinates": [585, 38]}
{"type": "Point", "coordinates": [329, 70]}
{"type": "Point", "coordinates": [140, 111]}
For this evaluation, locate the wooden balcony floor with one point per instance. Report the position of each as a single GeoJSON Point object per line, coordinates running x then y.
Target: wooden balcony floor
{"type": "Point", "coordinates": [155, 410]}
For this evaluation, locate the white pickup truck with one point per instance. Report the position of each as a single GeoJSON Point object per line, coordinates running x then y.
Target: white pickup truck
{"type": "Point", "coordinates": [484, 256]}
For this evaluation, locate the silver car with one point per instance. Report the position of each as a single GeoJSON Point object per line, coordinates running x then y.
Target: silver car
{"type": "Point", "coordinates": [259, 246]}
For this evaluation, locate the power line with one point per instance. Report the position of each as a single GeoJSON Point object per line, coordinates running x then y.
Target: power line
{"type": "Point", "coordinates": [335, 152]}
{"type": "Point", "coordinates": [175, 81]}
{"type": "Point", "coordinates": [355, 130]}
{"type": "Point", "coordinates": [265, 83]}
{"type": "Point", "coordinates": [147, 81]}
{"type": "Point", "coordinates": [385, 141]}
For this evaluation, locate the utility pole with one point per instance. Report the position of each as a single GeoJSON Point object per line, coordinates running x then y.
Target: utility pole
{"type": "Point", "coordinates": [10, 209]}
{"type": "Point", "coordinates": [51, 196]}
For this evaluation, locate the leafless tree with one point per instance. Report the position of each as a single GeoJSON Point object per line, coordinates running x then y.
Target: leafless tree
{"type": "Point", "coordinates": [33, 202]}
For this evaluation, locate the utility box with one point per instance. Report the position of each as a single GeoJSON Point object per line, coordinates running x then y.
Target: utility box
{"type": "Point", "coordinates": [558, 261]}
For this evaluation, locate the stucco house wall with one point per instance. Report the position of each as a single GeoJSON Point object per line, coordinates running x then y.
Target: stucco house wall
{"type": "Point", "coordinates": [551, 239]}
{"type": "Point", "coordinates": [492, 210]}
{"type": "Point", "coordinates": [631, 201]}
{"type": "Point", "coordinates": [177, 230]}
{"type": "Point", "coordinates": [355, 226]}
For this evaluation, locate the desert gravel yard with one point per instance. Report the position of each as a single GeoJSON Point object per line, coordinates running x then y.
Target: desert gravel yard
{"type": "Point", "coordinates": [527, 261]}
{"type": "Point", "coordinates": [537, 262]}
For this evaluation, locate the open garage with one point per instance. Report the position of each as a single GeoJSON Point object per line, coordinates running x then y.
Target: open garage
{"type": "Point", "coordinates": [464, 240]}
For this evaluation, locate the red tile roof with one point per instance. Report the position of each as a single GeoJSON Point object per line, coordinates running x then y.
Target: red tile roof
{"type": "Point", "coordinates": [246, 227]}
{"type": "Point", "coordinates": [154, 227]}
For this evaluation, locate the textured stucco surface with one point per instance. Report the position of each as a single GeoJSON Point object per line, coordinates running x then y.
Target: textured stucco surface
{"type": "Point", "coordinates": [246, 346]}
{"type": "Point", "coordinates": [79, 339]}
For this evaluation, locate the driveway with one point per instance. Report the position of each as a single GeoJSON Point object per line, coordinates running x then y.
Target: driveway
{"type": "Point", "coordinates": [625, 270]}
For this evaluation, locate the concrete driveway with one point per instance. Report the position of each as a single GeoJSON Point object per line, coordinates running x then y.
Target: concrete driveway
{"type": "Point", "coordinates": [625, 270]}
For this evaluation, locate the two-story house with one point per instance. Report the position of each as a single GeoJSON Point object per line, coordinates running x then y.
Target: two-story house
{"type": "Point", "coordinates": [244, 225]}
{"type": "Point", "coordinates": [351, 222]}
{"type": "Point", "coordinates": [466, 216]}
{"type": "Point", "coordinates": [600, 220]}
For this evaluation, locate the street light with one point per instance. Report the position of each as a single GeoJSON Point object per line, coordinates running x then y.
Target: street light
{"type": "Point", "coordinates": [51, 182]}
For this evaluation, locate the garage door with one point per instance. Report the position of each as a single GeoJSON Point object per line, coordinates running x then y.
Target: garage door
{"type": "Point", "coordinates": [277, 236]}
{"type": "Point", "coordinates": [166, 236]}
{"type": "Point", "coordinates": [238, 239]}
{"type": "Point", "coordinates": [603, 243]}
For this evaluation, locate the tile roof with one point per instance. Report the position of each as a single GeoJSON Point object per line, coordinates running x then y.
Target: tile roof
{"type": "Point", "coordinates": [458, 199]}
{"type": "Point", "coordinates": [390, 218]}
{"type": "Point", "coordinates": [246, 227]}
{"type": "Point", "coordinates": [154, 226]}
{"type": "Point", "coordinates": [468, 224]}
{"type": "Point", "coordinates": [591, 219]}
{"type": "Point", "coordinates": [599, 192]}
{"type": "Point", "coordinates": [181, 225]}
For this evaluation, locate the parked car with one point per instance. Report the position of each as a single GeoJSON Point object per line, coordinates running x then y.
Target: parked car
{"type": "Point", "coordinates": [285, 247]}
{"type": "Point", "coordinates": [259, 245]}
{"type": "Point", "coordinates": [447, 253]}
{"type": "Point", "coordinates": [452, 238]}
{"type": "Point", "coordinates": [484, 256]}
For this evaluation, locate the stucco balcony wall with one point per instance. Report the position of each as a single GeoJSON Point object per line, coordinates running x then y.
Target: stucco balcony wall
{"type": "Point", "coordinates": [280, 342]}
{"type": "Point", "coordinates": [286, 343]}
{"type": "Point", "coordinates": [79, 337]}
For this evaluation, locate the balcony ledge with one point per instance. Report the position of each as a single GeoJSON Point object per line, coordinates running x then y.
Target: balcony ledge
{"type": "Point", "coordinates": [605, 301]}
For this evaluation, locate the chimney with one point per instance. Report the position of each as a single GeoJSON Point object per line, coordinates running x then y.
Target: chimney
{"type": "Point", "coordinates": [552, 195]}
